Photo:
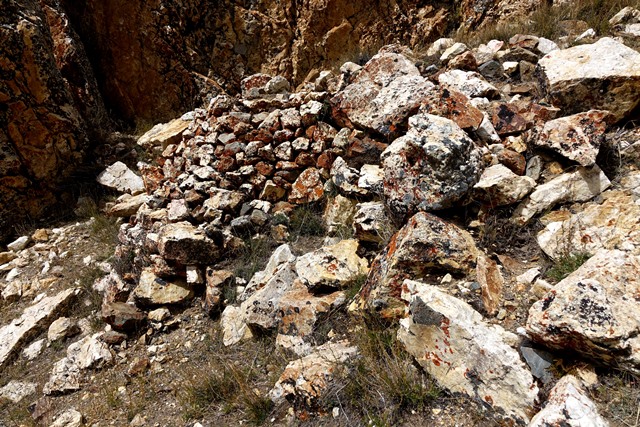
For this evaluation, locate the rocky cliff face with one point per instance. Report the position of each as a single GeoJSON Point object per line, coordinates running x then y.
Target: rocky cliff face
{"type": "Point", "coordinates": [47, 98]}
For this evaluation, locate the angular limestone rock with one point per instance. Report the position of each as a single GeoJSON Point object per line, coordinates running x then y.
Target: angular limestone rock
{"type": "Point", "coordinates": [69, 418]}
{"type": "Point", "coordinates": [425, 244]}
{"type": "Point", "coordinates": [128, 206]}
{"type": "Point", "coordinates": [577, 137]}
{"type": "Point", "coordinates": [469, 83]}
{"type": "Point", "coordinates": [463, 353]}
{"type": "Point", "coordinates": [593, 311]}
{"type": "Point", "coordinates": [65, 377]}
{"type": "Point", "coordinates": [371, 223]}
{"type": "Point", "coordinates": [604, 76]}
{"type": "Point", "coordinates": [120, 178]}
{"type": "Point", "coordinates": [33, 320]}
{"type": "Point", "coordinates": [610, 225]}
{"type": "Point", "coordinates": [499, 186]}
{"type": "Point", "coordinates": [62, 328]}
{"type": "Point", "coordinates": [153, 290]}
{"type": "Point", "coordinates": [15, 391]}
{"type": "Point", "coordinates": [432, 167]}
{"type": "Point", "coordinates": [385, 93]}
{"type": "Point", "coordinates": [569, 405]}
{"type": "Point", "coordinates": [578, 186]}
{"type": "Point", "coordinates": [276, 298]}
{"type": "Point", "coordinates": [305, 381]}
{"type": "Point", "coordinates": [122, 316]}
{"type": "Point", "coordinates": [164, 134]}
{"type": "Point", "coordinates": [335, 266]}
{"type": "Point", "coordinates": [186, 244]}
{"type": "Point", "coordinates": [89, 352]}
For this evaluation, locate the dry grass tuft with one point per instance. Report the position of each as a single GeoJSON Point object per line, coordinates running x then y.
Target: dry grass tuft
{"type": "Point", "coordinates": [228, 380]}
{"type": "Point", "coordinates": [383, 383]}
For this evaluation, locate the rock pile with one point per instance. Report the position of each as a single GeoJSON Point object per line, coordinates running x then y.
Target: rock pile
{"type": "Point", "coordinates": [386, 145]}
{"type": "Point", "coordinates": [407, 145]}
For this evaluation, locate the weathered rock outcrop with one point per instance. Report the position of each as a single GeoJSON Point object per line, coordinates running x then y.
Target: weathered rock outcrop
{"type": "Point", "coordinates": [49, 96]}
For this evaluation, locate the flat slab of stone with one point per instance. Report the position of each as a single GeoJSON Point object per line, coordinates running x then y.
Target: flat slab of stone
{"type": "Point", "coordinates": [33, 320]}
{"type": "Point", "coordinates": [154, 291]}
{"type": "Point", "coordinates": [119, 177]}
{"type": "Point", "coordinates": [187, 244]}
{"type": "Point", "coordinates": [164, 134]}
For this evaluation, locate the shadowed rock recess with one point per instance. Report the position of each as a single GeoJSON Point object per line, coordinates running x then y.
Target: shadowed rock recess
{"type": "Point", "coordinates": [329, 214]}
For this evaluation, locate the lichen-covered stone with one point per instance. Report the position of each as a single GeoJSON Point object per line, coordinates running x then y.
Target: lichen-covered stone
{"type": "Point", "coordinates": [593, 311]}
{"type": "Point", "coordinates": [432, 167]}
{"type": "Point", "coordinates": [577, 137]}
{"type": "Point", "coordinates": [463, 353]}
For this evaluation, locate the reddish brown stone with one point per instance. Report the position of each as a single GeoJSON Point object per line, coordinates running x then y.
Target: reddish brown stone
{"type": "Point", "coordinates": [309, 132]}
{"type": "Point", "coordinates": [259, 135]}
{"type": "Point", "coordinates": [225, 164]}
{"type": "Point", "coordinates": [305, 159]}
{"type": "Point", "coordinates": [325, 160]}
{"type": "Point", "coordinates": [323, 132]}
{"type": "Point", "coordinates": [513, 160]}
{"type": "Point", "coordinates": [364, 151]}
{"type": "Point", "coordinates": [281, 165]}
{"type": "Point", "coordinates": [455, 106]}
{"type": "Point", "coordinates": [506, 119]}
{"type": "Point", "coordinates": [465, 61]}
{"type": "Point", "coordinates": [264, 168]}
{"type": "Point", "coordinates": [307, 188]}
{"type": "Point", "coordinates": [288, 175]}
{"type": "Point", "coordinates": [122, 316]}
{"type": "Point", "coordinates": [283, 135]}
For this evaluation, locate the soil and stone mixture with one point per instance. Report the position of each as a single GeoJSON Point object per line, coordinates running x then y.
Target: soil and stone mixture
{"type": "Point", "coordinates": [439, 238]}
